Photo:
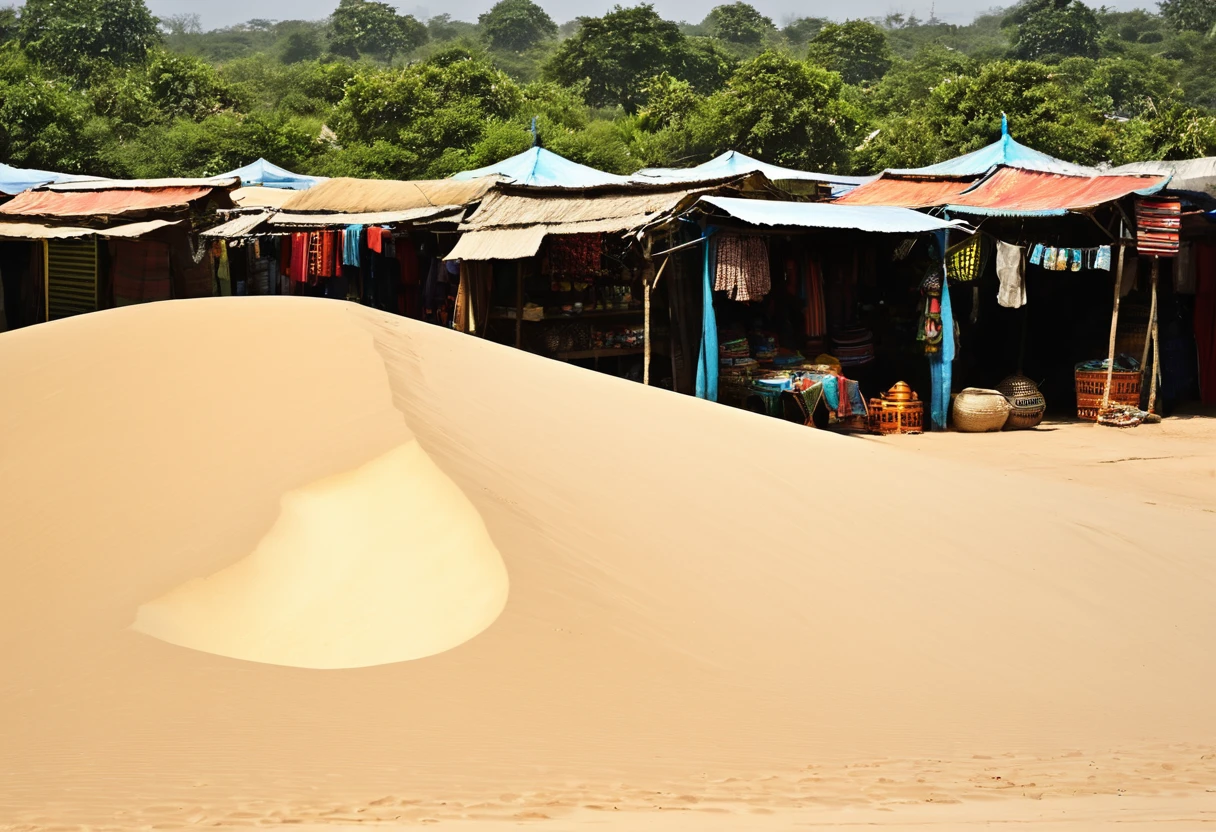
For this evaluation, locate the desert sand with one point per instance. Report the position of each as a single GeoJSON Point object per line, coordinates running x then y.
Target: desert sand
{"type": "Point", "coordinates": [272, 561]}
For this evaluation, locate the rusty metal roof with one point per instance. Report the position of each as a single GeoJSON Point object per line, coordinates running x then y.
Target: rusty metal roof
{"type": "Point", "coordinates": [1015, 192]}
{"type": "Point", "coordinates": [108, 203]}
{"type": "Point", "coordinates": [907, 191]}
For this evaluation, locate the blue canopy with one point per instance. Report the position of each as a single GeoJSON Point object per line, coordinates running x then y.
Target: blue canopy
{"type": "Point", "coordinates": [544, 168]}
{"type": "Point", "coordinates": [734, 163]}
{"type": "Point", "coordinates": [873, 218]}
{"type": "Point", "coordinates": [15, 180]}
{"type": "Point", "coordinates": [1004, 152]}
{"type": "Point", "coordinates": [270, 175]}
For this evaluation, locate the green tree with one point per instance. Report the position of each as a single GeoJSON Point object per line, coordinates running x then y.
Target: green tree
{"type": "Point", "coordinates": [368, 27]}
{"type": "Point", "coordinates": [72, 35]}
{"type": "Point", "coordinates": [1169, 130]}
{"type": "Point", "coordinates": [10, 24]}
{"type": "Point", "coordinates": [516, 25]}
{"type": "Point", "coordinates": [617, 53]}
{"type": "Point", "coordinates": [739, 23]}
{"type": "Point", "coordinates": [800, 31]}
{"type": "Point", "coordinates": [857, 49]}
{"type": "Point", "coordinates": [43, 124]}
{"type": "Point", "coordinates": [301, 45]}
{"type": "Point", "coordinates": [1053, 29]}
{"type": "Point", "coordinates": [185, 86]}
{"type": "Point", "coordinates": [1189, 15]}
{"type": "Point", "coordinates": [908, 83]}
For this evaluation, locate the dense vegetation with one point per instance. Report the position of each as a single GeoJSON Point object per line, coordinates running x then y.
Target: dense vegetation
{"type": "Point", "coordinates": [101, 86]}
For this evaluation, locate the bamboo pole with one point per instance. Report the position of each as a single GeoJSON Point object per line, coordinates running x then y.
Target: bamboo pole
{"type": "Point", "coordinates": [1153, 333]}
{"type": "Point", "coordinates": [1114, 329]}
{"type": "Point", "coordinates": [646, 286]}
{"type": "Point", "coordinates": [1148, 336]}
{"type": "Point", "coordinates": [519, 305]}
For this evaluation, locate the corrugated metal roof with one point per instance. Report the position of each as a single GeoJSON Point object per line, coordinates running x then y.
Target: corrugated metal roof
{"type": "Point", "coordinates": [241, 226]}
{"type": "Point", "coordinates": [907, 192]}
{"type": "Point", "coordinates": [734, 163]}
{"type": "Point", "coordinates": [500, 244]}
{"type": "Point", "coordinates": [110, 203]}
{"type": "Point", "coordinates": [1198, 175]}
{"type": "Point", "coordinates": [364, 196]}
{"type": "Point", "coordinates": [877, 219]}
{"type": "Point", "coordinates": [37, 231]}
{"type": "Point", "coordinates": [293, 219]}
{"type": "Point", "coordinates": [1012, 192]}
{"type": "Point", "coordinates": [542, 168]}
{"type": "Point", "coordinates": [87, 184]}
{"type": "Point", "coordinates": [1004, 152]}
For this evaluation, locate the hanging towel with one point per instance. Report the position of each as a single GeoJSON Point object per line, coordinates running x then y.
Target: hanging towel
{"type": "Point", "coordinates": [1011, 271]}
{"type": "Point", "coordinates": [375, 239]}
{"type": "Point", "coordinates": [743, 268]}
{"type": "Point", "coordinates": [1036, 256]}
{"type": "Point", "coordinates": [1102, 258]}
{"type": "Point", "coordinates": [1074, 259]}
{"type": "Point", "coordinates": [707, 358]}
{"type": "Point", "coordinates": [352, 239]}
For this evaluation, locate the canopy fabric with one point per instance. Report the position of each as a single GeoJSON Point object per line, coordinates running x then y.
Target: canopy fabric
{"type": "Point", "coordinates": [298, 220]}
{"type": "Point", "coordinates": [92, 184]}
{"type": "Point", "coordinates": [1003, 153]}
{"type": "Point", "coordinates": [542, 168]}
{"type": "Point", "coordinates": [499, 244]}
{"type": "Point", "coordinates": [15, 180]}
{"type": "Point", "coordinates": [1019, 193]}
{"type": "Point", "coordinates": [877, 219]}
{"type": "Point", "coordinates": [362, 196]}
{"type": "Point", "coordinates": [734, 163]}
{"type": "Point", "coordinates": [36, 231]}
{"type": "Point", "coordinates": [270, 175]}
{"type": "Point", "coordinates": [116, 203]}
{"type": "Point", "coordinates": [1197, 175]}
{"type": "Point", "coordinates": [907, 192]}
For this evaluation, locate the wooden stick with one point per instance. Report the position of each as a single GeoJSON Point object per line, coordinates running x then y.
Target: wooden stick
{"type": "Point", "coordinates": [1152, 390]}
{"type": "Point", "coordinates": [519, 305]}
{"type": "Point", "coordinates": [1148, 336]}
{"type": "Point", "coordinates": [646, 284]}
{"type": "Point", "coordinates": [1114, 329]}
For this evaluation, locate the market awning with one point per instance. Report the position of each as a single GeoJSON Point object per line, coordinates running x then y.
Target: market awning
{"type": "Point", "coordinates": [114, 203]}
{"type": "Point", "coordinates": [907, 191]}
{"type": "Point", "coordinates": [286, 219]}
{"type": "Point", "coordinates": [499, 244]}
{"type": "Point", "coordinates": [873, 218]}
{"type": "Point", "coordinates": [1011, 192]}
{"type": "Point", "coordinates": [241, 226]}
{"type": "Point", "coordinates": [37, 231]}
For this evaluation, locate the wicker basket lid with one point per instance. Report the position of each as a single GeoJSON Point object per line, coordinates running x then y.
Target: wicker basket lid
{"type": "Point", "coordinates": [901, 392]}
{"type": "Point", "coordinates": [1018, 386]}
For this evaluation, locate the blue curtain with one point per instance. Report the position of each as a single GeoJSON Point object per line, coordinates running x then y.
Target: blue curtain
{"type": "Point", "coordinates": [940, 365]}
{"type": "Point", "coordinates": [707, 359]}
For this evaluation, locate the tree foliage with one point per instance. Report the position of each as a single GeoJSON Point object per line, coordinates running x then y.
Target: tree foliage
{"type": "Point", "coordinates": [1190, 15]}
{"type": "Point", "coordinates": [739, 23]}
{"type": "Point", "coordinates": [858, 50]}
{"type": "Point", "coordinates": [368, 27]}
{"type": "Point", "coordinates": [72, 35]}
{"type": "Point", "coordinates": [1053, 28]}
{"type": "Point", "coordinates": [516, 25]}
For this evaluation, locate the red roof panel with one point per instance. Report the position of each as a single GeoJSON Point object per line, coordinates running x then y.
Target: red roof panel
{"type": "Point", "coordinates": [112, 203]}
{"type": "Point", "coordinates": [1024, 191]}
{"type": "Point", "coordinates": [907, 192]}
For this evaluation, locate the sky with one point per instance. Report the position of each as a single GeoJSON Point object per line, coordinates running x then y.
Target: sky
{"type": "Point", "coordinates": [216, 13]}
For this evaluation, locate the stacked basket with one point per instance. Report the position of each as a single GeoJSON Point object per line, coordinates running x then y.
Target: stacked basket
{"type": "Point", "coordinates": [1027, 402]}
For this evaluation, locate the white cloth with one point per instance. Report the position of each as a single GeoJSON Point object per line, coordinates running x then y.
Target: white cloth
{"type": "Point", "coordinates": [1011, 270]}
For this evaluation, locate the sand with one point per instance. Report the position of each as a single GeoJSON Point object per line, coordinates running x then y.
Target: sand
{"type": "Point", "coordinates": [712, 620]}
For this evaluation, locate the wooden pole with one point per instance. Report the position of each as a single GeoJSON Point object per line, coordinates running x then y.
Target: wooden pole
{"type": "Point", "coordinates": [1152, 390]}
{"type": "Point", "coordinates": [1114, 329]}
{"type": "Point", "coordinates": [646, 285]}
{"type": "Point", "coordinates": [1148, 336]}
{"type": "Point", "coordinates": [519, 305]}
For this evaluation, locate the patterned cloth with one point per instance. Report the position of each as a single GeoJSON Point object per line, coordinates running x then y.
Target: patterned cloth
{"type": "Point", "coordinates": [140, 271]}
{"type": "Point", "coordinates": [743, 268]}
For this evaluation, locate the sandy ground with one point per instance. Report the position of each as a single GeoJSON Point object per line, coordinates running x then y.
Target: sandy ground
{"type": "Point", "coordinates": [712, 620]}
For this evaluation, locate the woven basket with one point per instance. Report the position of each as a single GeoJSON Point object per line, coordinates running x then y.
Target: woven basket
{"type": "Point", "coordinates": [1091, 384]}
{"type": "Point", "coordinates": [980, 411]}
{"type": "Point", "coordinates": [966, 260]}
{"type": "Point", "coordinates": [898, 411]}
{"type": "Point", "coordinates": [1029, 405]}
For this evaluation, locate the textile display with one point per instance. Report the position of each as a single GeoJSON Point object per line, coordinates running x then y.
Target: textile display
{"type": "Point", "coordinates": [575, 254]}
{"type": "Point", "coordinates": [941, 362]}
{"type": "Point", "coordinates": [352, 244]}
{"type": "Point", "coordinates": [1205, 319]}
{"type": "Point", "coordinates": [139, 271]}
{"type": "Point", "coordinates": [223, 271]}
{"type": "Point", "coordinates": [375, 238]}
{"type": "Point", "coordinates": [816, 309]}
{"type": "Point", "coordinates": [1011, 271]}
{"type": "Point", "coordinates": [192, 270]}
{"type": "Point", "coordinates": [707, 359]}
{"type": "Point", "coordinates": [300, 242]}
{"type": "Point", "coordinates": [742, 268]}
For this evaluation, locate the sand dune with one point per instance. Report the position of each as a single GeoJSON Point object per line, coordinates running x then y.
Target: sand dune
{"type": "Point", "coordinates": [707, 611]}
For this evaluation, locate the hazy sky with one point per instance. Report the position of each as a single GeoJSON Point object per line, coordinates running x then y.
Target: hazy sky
{"type": "Point", "coordinates": [226, 12]}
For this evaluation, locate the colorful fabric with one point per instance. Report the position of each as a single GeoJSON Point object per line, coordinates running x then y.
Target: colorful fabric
{"type": "Point", "coordinates": [300, 242]}
{"type": "Point", "coordinates": [575, 254]}
{"type": "Point", "coordinates": [816, 308]}
{"type": "Point", "coordinates": [375, 238]}
{"type": "Point", "coordinates": [139, 271]}
{"type": "Point", "coordinates": [707, 364]}
{"type": "Point", "coordinates": [352, 243]}
{"type": "Point", "coordinates": [742, 268]}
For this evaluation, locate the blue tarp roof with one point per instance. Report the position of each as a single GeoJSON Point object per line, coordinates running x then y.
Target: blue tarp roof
{"type": "Point", "coordinates": [1004, 152]}
{"type": "Point", "coordinates": [15, 180]}
{"type": "Point", "coordinates": [544, 168]}
{"type": "Point", "coordinates": [734, 163]}
{"type": "Point", "coordinates": [877, 219]}
{"type": "Point", "coordinates": [270, 175]}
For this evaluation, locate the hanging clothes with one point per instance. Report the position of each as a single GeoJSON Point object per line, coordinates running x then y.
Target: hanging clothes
{"type": "Point", "coordinates": [707, 358]}
{"type": "Point", "coordinates": [352, 243]}
{"type": "Point", "coordinates": [375, 238]}
{"type": "Point", "coordinates": [816, 308]}
{"type": "Point", "coordinates": [223, 272]}
{"type": "Point", "coordinates": [742, 268]}
{"type": "Point", "coordinates": [1011, 271]}
{"type": "Point", "coordinates": [139, 271]}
